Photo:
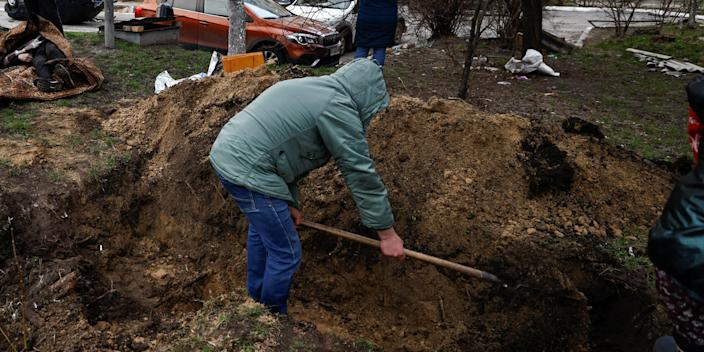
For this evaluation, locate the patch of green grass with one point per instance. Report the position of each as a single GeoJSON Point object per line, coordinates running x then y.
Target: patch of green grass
{"type": "Point", "coordinates": [100, 141]}
{"type": "Point", "coordinates": [643, 111]}
{"type": "Point", "coordinates": [55, 176]}
{"type": "Point", "coordinates": [299, 346]}
{"type": "Point", "coordinates": [628, 252]}
{"type": "Point", "coordinates": [681, 43]}
{"type": "Point", "coordinates": [224, 320]}
{"type": "Point", "coordinates": [75, 140]}
{"type": "Point", "coordinates": [16, 123]}
{"type": "Point", "coordinates": [131, 69]}
{"type": "Point", "coordinates": [366, 345]}
{"type": "Point", "coordinates": [5, 163]}
{"type": "Point", "coordinates": [64, 102]}
{"type": "Point", "coordinates": [98, 171]}
{"type": "Point", "coordinates": [259, 331]}
{"type": "Point", "coordinates": [254, 311]}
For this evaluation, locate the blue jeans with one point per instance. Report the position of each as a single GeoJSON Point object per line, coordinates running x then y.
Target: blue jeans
{"type": "Point", "coordinates": [379, 54]}
{"type": "Point", "coordinates": [273, 246]}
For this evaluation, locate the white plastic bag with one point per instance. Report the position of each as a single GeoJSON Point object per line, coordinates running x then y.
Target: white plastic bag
{"type": "Point", "coordinates": [531, 62]}
{"type": "Point", "coordinates": [164, 79]}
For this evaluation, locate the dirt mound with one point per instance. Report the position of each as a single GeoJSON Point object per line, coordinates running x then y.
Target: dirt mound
{"type": "Point", "coordinates": [163, 236]}
{"type": "Point", "coordinates": [461, 183]}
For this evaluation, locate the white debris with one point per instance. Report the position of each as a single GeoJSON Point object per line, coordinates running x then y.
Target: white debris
{"type": "Point", "coordinates": [531, 62]}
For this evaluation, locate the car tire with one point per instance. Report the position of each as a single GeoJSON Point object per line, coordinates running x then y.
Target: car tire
{"type": "Point", "coordinates": [272, 51]}
{"type": "Point", "coordinates": [17, 12]}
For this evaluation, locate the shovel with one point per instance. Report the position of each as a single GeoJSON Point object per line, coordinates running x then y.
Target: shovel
{"type": "Point", "coordinates": [413, 254]}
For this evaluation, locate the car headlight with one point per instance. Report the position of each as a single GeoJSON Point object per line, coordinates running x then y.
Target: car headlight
{"type": "Point", "coordinates": [303, 38]}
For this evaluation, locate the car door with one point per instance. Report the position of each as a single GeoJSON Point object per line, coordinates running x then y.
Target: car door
{"type": "Point", "coordinates": [214, 24]}
{"type": "Point", "coordinates": [186, 12]}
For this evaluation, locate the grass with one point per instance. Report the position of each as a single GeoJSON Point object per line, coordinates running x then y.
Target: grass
{"type": "Point", "coordinates": [641, 110]}
{"type": "Point", "coordinates": [55, 176]}
{"type": "Point", "coordinates": [628, 250]}
{"type": "Point", "coordinates": [16, 123]}
{"type": "Point", "coordinates": [254, 311]}
{"type": "Point", "coordinates": [99, 171]}
{"type": "Point", "coordinates": [680, 43]}
{"type": "Point", "coordinates": [366, 345]}
{"type": "Point", "coordinates": [131, 69]}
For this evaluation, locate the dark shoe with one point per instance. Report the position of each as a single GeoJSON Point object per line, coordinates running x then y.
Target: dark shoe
{"type": "Point", "coordinates": [65, 76]}
{"type": "Point", "coordinates": [665, 344]}
{"type": "Point", "coordinates": [48, 86]}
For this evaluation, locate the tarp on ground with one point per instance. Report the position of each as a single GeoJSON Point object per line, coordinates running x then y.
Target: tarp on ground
{"type": "Point", "coordinates": [17, 82]}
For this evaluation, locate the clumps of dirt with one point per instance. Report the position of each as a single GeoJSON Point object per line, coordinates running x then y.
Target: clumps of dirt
{"type": "Point", "coordinates": [546, 165]}
{"type": "Point", "coordinates": [580, 126]}
{"type": "Point", "coordinates": [162, 236]}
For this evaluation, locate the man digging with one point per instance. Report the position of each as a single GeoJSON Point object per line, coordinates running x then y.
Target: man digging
{"type": "Point", "coordinates": [294, 127]}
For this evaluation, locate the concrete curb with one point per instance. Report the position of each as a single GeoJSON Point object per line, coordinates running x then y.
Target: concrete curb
{"type": "Point", "coordinates": [603, 9]}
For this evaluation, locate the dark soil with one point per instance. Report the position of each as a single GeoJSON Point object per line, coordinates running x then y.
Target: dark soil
{"type": "Point", "coordinates": [158, 236]}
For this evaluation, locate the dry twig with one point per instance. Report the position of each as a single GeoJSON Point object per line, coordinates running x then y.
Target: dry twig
{"type": "Point", "coordinates": [12, 345]}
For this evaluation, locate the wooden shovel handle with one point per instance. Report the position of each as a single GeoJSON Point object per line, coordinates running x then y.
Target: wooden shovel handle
{"type": "Point", "coordinates": [413, 254]}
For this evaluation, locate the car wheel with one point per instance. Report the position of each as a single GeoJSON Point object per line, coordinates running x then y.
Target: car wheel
{"type": "Point", "coordinates": [272, 54]}
{"type": "Point", "coordinates": [17, 12]}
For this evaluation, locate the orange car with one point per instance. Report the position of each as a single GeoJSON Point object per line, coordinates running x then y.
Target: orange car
{"type": "Point", "coordinates": [281, 35]}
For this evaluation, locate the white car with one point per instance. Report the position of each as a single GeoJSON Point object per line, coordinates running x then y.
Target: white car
{"type": "Point", "coordinates": [338, 14]}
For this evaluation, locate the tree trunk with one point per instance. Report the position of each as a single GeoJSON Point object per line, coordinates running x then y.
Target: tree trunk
{"type": "Point", "coordinates": [693, 9]}
{"type": "Point", "coordinates": [237, 34]}
{"type": "Point", "coordinates": [472, 42]}
{"type": "Point", "coordinates": [109, 25]}
{"type": "Point", "coordinates": [532, 24]}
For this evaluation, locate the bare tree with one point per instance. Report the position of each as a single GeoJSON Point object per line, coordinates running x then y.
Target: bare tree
{"type": "Point", "coordinates": [237, 34]}
{"type": "Point", "coordinates": [621, 12]}
{"type": "Point", "coordinates": [532, 24]}
{"type": "Point", "coordinates": [441, 17]}
{"type": "Point", "coordinates": [109, 25]}
{"type": "Point", "coordinates": [505, 19]}
{"type": "Point", "coordinates": [669, 10]}
{"type": "Point", "coordinates": [693, 10]}
{"type": "Point", "coordinates": [472, 42]}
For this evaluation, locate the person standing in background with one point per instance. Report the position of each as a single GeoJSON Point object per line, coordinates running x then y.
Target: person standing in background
{"type": "Point", "coordinates": [376, 28]}
{"type": "Point", "coordinates": [676, 244]}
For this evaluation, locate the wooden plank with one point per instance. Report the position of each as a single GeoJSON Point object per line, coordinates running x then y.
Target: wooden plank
{"type": "Point", "coordinates": [648, 53]}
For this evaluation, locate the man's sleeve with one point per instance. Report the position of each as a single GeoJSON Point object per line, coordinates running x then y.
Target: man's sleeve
{"type": "Point", "coordinates": [293, 188]}
{"type": "Point", "coordinates": [343, 135]}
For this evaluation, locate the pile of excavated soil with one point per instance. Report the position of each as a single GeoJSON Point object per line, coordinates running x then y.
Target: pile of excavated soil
{"type": "Point", "coordinates": [530, 203]}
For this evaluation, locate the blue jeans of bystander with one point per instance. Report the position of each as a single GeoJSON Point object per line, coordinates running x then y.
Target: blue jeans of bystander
{"type": "Point", "coordinates": [273, 246]}
{"type": "Point", "coordinates": [379, 54]}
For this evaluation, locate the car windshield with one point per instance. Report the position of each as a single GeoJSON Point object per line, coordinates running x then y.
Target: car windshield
{"type": "Point", "coordinates": [266, 9]}
{"type": "Point", "coordinates": [334, 4]}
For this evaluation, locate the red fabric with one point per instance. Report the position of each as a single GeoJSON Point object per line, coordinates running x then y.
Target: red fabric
{"type": "Point", "coordinates": [694, 130]}
{"type": "Point", "coordinates": [686, 313]}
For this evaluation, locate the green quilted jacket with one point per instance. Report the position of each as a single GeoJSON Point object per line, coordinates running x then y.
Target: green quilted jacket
{"type": "Point", "coordinates": [295, 126]}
